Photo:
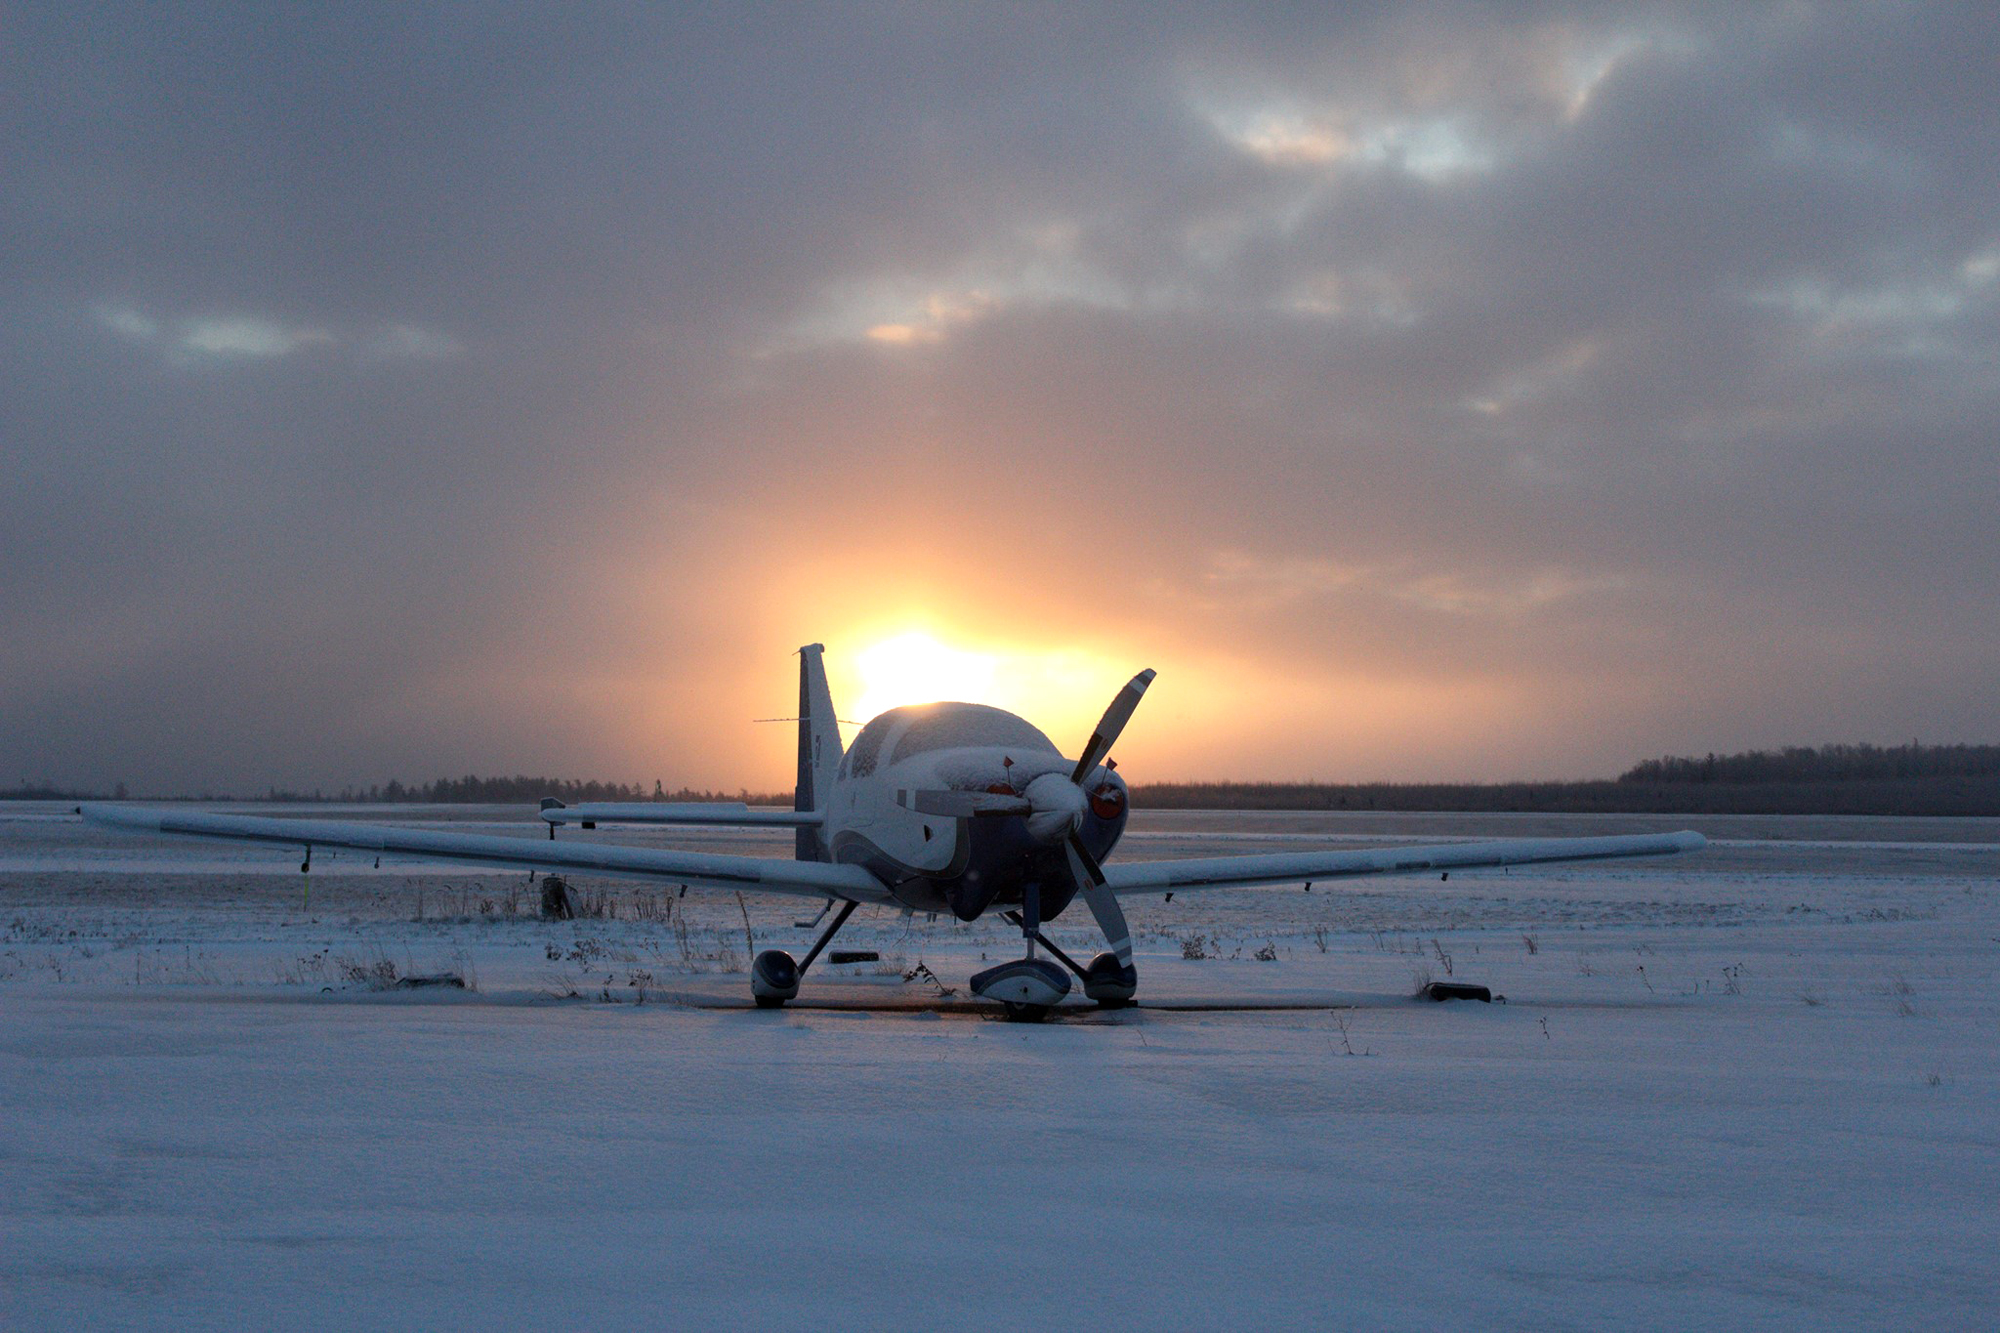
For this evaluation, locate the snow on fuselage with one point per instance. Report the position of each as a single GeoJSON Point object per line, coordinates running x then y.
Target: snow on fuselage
{"type": "Point", "coordinates": [963, 866]}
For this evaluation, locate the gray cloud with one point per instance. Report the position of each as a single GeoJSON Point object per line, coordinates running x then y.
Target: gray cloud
{"type": "Point", "coordinates": [387, 392]}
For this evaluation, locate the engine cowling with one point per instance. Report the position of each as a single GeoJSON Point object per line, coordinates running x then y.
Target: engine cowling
{"type": "Point", "coordinates": [1059, 806]}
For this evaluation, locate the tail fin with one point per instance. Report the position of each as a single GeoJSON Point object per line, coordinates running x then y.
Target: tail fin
{"type": "Point", "coordinates": [819, 748]}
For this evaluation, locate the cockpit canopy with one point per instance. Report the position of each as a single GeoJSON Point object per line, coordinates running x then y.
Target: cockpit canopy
{"type": "Point", "coordinates": [918, 728]}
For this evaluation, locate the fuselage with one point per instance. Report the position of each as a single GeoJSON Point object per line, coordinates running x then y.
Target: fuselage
{"type": "Point", "coordinates": [962, 866]}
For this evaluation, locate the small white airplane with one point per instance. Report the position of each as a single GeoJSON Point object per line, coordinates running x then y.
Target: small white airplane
{"type": "Point", "coordinates": [943, 807]}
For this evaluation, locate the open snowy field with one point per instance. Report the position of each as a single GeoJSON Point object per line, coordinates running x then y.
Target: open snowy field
{"type": "Point", "coordinates": [1758, 1087]}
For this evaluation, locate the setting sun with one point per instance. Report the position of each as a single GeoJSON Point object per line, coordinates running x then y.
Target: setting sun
{"type": "Point", "coordinates": [1062, 689]}
{"type": "Point", "coordinates": [915, 668]}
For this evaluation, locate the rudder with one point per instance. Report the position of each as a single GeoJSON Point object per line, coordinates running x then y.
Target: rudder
{"type": "Point", "coordinates": [819, 749]}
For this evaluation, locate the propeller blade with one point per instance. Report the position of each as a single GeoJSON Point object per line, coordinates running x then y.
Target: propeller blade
{"type": "Point", "coordinates": [1102, 902]}
{"type": "Point", "coordinates": [962, 804]}
{"type": "Point", "coordinates": [1113, 722]}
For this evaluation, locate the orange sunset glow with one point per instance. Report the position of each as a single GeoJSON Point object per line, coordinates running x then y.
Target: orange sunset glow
{"type": "Point", "coordinates": [1359, 377]}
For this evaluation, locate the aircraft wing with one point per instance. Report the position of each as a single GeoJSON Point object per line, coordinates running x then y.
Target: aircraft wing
{"type": "Point", "coordinates": [732, 813]}
{"type": "Point", "coordinates": [814, 879]}
{"type": "Point", "coordinates": [1221, 872]}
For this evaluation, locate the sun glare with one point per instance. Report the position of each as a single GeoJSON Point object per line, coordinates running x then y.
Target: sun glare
{"type": "Point", "coordinates": [915, 668]}
{"type": "Point", "coordinates": [1063, 690]}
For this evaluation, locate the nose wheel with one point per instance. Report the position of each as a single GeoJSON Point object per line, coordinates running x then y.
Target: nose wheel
{"type": "Point", "coordinates": [1026, 988]}
{"type": "Point", "coordinates": [1109, 981]}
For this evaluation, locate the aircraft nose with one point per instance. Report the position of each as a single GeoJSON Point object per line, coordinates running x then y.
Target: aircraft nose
{"type": "Point", "coordinates": [1058, 807]}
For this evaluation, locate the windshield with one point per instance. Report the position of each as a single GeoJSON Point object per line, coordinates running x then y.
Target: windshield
{"type": "Point", "coordinates": [953, 726]}
{"type": "Point", "coordinates": [919, 728]}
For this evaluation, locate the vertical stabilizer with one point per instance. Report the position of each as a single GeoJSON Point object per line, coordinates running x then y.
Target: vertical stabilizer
{"type": "Point", "coordinates": [819, 748]}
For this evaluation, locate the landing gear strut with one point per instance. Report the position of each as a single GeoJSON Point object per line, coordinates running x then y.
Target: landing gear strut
{"type": "Point", "coordinates": [1028, 987]}
{"type": "Point", "coordinates": [774, 976]}
{"type": "Point", "coordinates": [1107, 981]}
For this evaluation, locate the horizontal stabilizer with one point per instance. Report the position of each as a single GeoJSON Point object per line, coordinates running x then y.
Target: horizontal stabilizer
{"type": "Point", "coordinates": [678, 812]}
{"type": "Point", "coordinates": [962, 804]}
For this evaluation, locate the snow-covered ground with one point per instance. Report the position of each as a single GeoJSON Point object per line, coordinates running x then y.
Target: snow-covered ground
{"type": "Point", "coordinates": [1751, 1088]}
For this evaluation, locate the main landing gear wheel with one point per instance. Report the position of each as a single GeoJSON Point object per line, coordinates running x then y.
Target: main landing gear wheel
{"type": "Point", "coordinates": [774, 978]}
{"type": "Point", "coordinates": [774, 974]}
{"type": "Point", "coordinates": [1024, 1013]}
{"type": "Point", "coordinates": [1110, 982]}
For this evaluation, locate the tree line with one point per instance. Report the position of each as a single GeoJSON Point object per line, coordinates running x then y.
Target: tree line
{"type": "Point", "coordinates": [1825, 763]}
{"type": "Point", "coordinates": [474, 790]}
{"type": "Point", "coordinates": [1910, 796]}
{"type": "Point", "coordinates": [468, 790]}
{"type": "Point", "coordinates": [1912, 779]}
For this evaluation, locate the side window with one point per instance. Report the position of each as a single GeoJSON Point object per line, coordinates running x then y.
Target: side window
{"type": "Point", "coordinates": [861, 755]}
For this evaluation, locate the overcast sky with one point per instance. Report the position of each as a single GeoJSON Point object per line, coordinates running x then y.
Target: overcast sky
{"type": "Point", "coordinates": [1425, 391]}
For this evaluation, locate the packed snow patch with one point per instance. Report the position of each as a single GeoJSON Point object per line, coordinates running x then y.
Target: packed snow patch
{"type": "Point", "coordinates": [1753, 1088]}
